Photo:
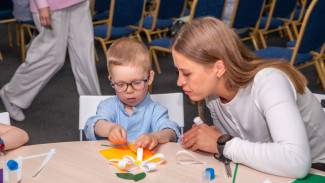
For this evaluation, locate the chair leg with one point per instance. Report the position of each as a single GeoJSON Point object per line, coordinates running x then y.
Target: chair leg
{"type": "Point", "coordinates": [262, 39]}
{"type": "Point", "coordinates": [1, 58]}
{"type": "Point", "coordinates": [155, 58]}
{"type": "Point", "coordinates": [148, 36]}
{"type": "Point", "coordinates": [289, 32]}
{"type": "Point", "coordinates": [9, 34]}
{"type": "Point", "coordinates": [17, 34]}
{"type": "Point", "coordinates": [22, 43]}
{"type": "Point", "coordinates": [96, 55]}
{"type": "Point", "coordinates": [254, 40]}
{"type": "Point", "coordinates": [103, 46]}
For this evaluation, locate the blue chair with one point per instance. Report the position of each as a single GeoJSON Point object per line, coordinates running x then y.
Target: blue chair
{"type": "Point", "coordinates": [100, 10]}
{"type": "Point", "coordinates": [276, 21]}
{"type": "Point", "coordinates": [122, 14]}
{"type": "Point", "coordinates": [311, 37]}
{"type": "Point", "coordinates": [6, 16]}
{"type": "Point", "coordinates": [199, 8]}
{"type": "Point", "coordinates": [299, 15]}
{"type": "Point", "coordinates": [247, 13]}
{"type": "Point", "coordinates": [165, 11]}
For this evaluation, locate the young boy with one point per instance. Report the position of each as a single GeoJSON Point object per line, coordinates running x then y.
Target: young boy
{"type": "Point", "coordinates": [131, 114]}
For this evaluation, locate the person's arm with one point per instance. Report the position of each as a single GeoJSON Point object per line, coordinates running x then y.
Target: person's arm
{"type": "Point", "coordinates": [115, 133]}
{"type": "Point", "coordinates": [155, 138]}
{"type": "Point", "coordinates": [44, 12]}
{"type": "Point", "coordinates": [202, 137]}
{"type": "Point", "coordinates": [12, 136]}
{"type": "Point", "coordinates": [106, 111]}
{"type": "Point", "coordinates": [163, 130]}
{"type": "Point", "coordinates": [289, 153]}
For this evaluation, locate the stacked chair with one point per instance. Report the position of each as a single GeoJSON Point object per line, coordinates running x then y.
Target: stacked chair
{"type": "Point", "coordinates": [246, 14]}
{"type": "Point", "coordinates": [122, 14]}
{"type": "Point", "coordinates": [6, 16]}
{"type": "Point", "coordinates": [199, 8]}
{"type": "Point", "coordinates": [311, 37]}
{"type": "Point", "coordinates": [275, 19]}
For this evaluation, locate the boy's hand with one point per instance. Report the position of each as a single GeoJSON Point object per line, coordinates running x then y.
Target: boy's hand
{"type": "Point", "coordinates": [146, 140]}
{"type": "Point", "coordinates": [117, 134]}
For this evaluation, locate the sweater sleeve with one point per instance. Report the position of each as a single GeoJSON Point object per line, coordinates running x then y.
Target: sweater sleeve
{"type": "Point", "coordinates": [41, 3]}
{"type": "Point", "coordinates": [289, 153]}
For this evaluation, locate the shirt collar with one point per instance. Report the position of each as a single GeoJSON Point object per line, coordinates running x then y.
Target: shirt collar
{"type": "Point", "coordinates": [137, 108]}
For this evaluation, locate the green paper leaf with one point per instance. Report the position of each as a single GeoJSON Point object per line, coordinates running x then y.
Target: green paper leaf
{"type": "Point", "coordinates": [128, 176]}
{"type": "Point", "coordinates": [311, 178]}
{"type": "Point", "coordinates": [139, 176]}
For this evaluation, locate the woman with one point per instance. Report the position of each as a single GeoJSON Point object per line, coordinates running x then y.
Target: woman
{"type": "Point", "coordinates": [273, 121]}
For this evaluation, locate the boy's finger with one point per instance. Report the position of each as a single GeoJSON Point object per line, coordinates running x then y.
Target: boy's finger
{"type": "Point", "coordinates": [123, 135]}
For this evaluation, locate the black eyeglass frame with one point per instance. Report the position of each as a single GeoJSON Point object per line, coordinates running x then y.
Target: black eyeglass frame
{"type": "Point", "coordinates": [130, 84]}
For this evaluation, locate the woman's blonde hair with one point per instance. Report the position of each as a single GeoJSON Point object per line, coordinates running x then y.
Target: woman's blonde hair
{"type": "Point", "coordinates": [207, 40]}
{"type": "Point", "coordinates": [128, 51]}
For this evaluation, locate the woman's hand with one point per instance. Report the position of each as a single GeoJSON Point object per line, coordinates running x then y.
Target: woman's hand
{"type": "Point", "coordinates": [146, 140]}
{"type": "Point", "coordinates": [202, 137]}
{"type": "Point", "coordinates": [44, 16]}
{"type": "Point", "coordinates": [117, 134]}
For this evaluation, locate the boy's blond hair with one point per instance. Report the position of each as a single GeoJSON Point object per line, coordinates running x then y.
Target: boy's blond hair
{"type": "Point", "coordinates": [128, 52]}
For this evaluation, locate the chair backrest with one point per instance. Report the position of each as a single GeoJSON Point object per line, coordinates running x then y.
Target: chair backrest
{"type": "Point", "coordinates": [283, 8]}
{"type": "Point", "coordinates": [168, 9]}
{"type": "Point", "coordinates": [126, 12]}
{"type": "Point", "coordinates": [172, 101]}
{"type": "Point", "coordinates": [311, 35]}
{"type": "Point", "coordinates": [214, 8]}
{"type": "Point", "coordinates": [4, 118]}
{"type": "Point", "coordinates": [6, 5]}
{"type": "Point", "coordinates": [320, 97]}
{"type": "Point", "coordinates": [246, 13]}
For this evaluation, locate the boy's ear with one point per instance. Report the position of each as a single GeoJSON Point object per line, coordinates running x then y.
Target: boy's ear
{"type": "Point", "coordinates": [109, 77]}
{"type": "Point", "coordinates": [151, 76]}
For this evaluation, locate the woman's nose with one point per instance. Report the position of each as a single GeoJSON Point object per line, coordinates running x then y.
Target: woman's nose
{"type": "Point", "coordinates": [180, 81]}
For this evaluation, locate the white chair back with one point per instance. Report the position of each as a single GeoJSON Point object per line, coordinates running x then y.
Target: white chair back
{"type": "Point", "coordinates": [172, 101]}
{"type": "Point", "coordinates": [4, 118]}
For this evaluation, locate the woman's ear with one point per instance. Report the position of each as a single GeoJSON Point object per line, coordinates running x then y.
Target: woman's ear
{"type": "Point", "coordinates": [220, 68]}
{"type": "Point", "coordinates": [151, 76]}
{"type": "Point", "coordinates": [109, 77]}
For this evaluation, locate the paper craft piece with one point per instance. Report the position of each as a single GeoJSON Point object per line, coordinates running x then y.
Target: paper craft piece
{"type": "Point", "coordinates": [139, 154]}
{"type": "Point", "coordinates": [193, 160]}
{"type": "Point", "coordinates": [124, 159]}
{"type": "Point", "coordinates": [310, 178]}
{"type": "Point", "coordinates": [130, 176]}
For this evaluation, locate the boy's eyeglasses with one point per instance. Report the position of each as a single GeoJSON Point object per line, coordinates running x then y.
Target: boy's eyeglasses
{"type": "Point", "coordinates": [136, 85]}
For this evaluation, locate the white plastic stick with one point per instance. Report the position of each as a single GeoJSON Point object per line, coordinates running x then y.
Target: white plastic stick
{"type": "Point", "coordinates": [20, 168]}
{"type": "Point", "coordinates": [49, 156]}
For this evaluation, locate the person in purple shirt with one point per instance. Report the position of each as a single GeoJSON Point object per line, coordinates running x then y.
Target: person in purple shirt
{"type": "Point", "coordinates": [131, 114]}
{"type": "Point", "coordinates": [61, 24]}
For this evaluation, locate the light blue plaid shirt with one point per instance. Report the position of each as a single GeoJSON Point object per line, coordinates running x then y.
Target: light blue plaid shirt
{"type": "Point", "coordinates": [147, 117]}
